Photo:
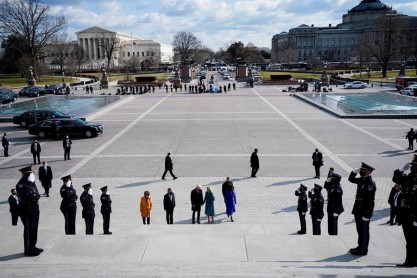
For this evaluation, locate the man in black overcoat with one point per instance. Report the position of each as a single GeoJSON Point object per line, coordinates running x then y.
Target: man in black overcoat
{"type": "Point", "coordinates": [66, 144]}
{"type": "Point", "coordinates": [169, 205]}
{"type": "Point", "coordinates": [317, 162]}
{"type": "Point", "coordinates": [45, 176]}
{"type": "Point", "coordinates": [196, 202]}
{"type": "Point", "coordinates": [394, 199]}
{"type": "Point", "coordinates": [254, 163]}
{"type": "Point", "coordinates": [35, 149]}
{"type": "Point", "coordinates": [14, 206]}
{"type": "Point", "coordinates": [169, 167]}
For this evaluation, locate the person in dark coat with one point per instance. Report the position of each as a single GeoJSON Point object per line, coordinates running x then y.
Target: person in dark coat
{"type": "Point", "coordinates": [45, 176]}
{"type": "Point", "coordinates": [196, 202]}
{"type": "Point", "coordinates": [394, 200]}
{"type": "Point", "coordinates": [35, 149]}
{"type": "Point", "coordinates": [408, 209]}
{"type": "Point", "coordinates": [14, 206]}
{"type": "Point", "coordinates": [317, 162]}
{"type": "Point", "coordinates": [230, 200]}
{"type": "Point", "coordinates": [254, 163]}
{"type": "Point", "coordinates": [29, 210]}
{"type": "Point", "coordinates": [302, 207]}
{"type": "Point", "coordinates": [335, 202]}
{"type": "Point", "coordinates": [411, 135]}
{"type": "Point", "coordinates": [169, 205]}
{"type": "Point", "coordinates": [169, 167]}
{"type": "Point", "coordinates": [363, 207]}
{"type": "Point", "coordinates": [88, 213]}
{"type": "Point", "coordinates": [68, 204]}
{"type": "Point", "coordinates": [225, 186]}
{"type": "Point", "coordinates": [5, 143]}
{"type": "Point", "coordinates": [66, 144]}
{"type": "Point", "coordinates": [316, 210]}
{"type": "Point", "coordinates": [105, 209]}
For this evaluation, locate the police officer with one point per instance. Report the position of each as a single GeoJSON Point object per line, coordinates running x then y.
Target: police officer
{"type": "Point", "coordinates": [68, 204]}
{"type": "Point", "coordinates": [316, 210]}
{"type": "Point", "coordinates": [408, 209]}
{"type": "Point", "coordinates": [363, 207]}
{"type": "Point", "coordinates": [105, 209]}
{"type": "Point", "coordinates": [88, 213]}
{"type": "Point", "coordinates": [29, 210]}
{"type": "Point", "coordinates": [302, 207]}
{"type": "Point", "coordinates": [334, 204]}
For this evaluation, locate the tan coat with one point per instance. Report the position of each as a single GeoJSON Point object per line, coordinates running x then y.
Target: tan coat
{"type": "Point", "coordinates": [145, 206]}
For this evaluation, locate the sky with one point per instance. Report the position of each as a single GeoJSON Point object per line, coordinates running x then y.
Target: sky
{"type": "Point", "coordinates": [216, 23]}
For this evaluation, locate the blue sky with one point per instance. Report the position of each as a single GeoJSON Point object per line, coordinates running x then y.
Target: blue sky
{"type": "Point", "coordinates": [217, 23]}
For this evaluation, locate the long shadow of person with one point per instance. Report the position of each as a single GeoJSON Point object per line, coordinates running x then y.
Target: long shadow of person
{"type": "Point", "coordinates": [137, 184]}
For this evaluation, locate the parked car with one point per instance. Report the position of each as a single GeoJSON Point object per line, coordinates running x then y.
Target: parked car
{"type": "Point", "coordinates": [34, 116]}
{"type": "Point", "coordinates": [56, 89]}
{"type": "Point", "coordinates": [70, 126]}
{"type": "Point", "coordinates": [32, 91]}
{"type": "Point", "coordinates": [356, 85]}
{"type": "Point", "coordinates": [409, 91]}
{"type": "Point", "coordinates": [7, 96]}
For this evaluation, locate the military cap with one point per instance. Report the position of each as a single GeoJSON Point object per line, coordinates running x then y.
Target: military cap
{"type": "Point", "coordinates": [103, 188]}
{"type": "Point", "coordinates": [414, 161]}
{"type": "Point", "coordinates": [318, 186]}
{"type": "Point", "coordinates": [303, 186]}
{"type": "Point", "coordinates": [66, 178]}
{"type": "Point", "coordinates": [26, 169]}
{"type": "Point", "coordinates": [367, 166]}
{"type": "Point", "coordinates": [87, 186]}
{"type": "Point", "coordinates": [336, 176]}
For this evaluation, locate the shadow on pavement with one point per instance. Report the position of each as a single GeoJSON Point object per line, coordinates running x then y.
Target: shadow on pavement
{"type": "Point", "coordinates": [11, 257]}
{"type": "Point", "coordinates": [281, 183]}
{"type": "Point", "coordinates": [137, 184]}
{"type": "Point", "coordinates": [287, 209]}
{"type": "Point", "coordinates": [395, 153]}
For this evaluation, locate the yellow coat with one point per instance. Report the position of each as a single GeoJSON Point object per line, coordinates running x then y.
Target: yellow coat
{"type": "Point", "coordinates": [145, 206]}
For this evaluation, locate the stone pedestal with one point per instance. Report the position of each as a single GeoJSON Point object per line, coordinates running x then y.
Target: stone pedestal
{"type": "Point", "coordinates": [31, 80]}
{"type": "Point", "coordinates": [176, 80]}
{"type": "Point", "coordinates": [185, 73]}
{"type": "Point", "coordinates": [324, 77]}
{"type": "Point", "coordinates": [402, 71]}
{"type": "Point", "coordinates": [241, 73]}
{"type": "Point", "coordinates": [104, 82]}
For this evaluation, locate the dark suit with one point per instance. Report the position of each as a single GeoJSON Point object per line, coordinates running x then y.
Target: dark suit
{"type": "Point", "coordinates": [302, 208]}
{"type": "Point", "coordinates": [45, 176]}
{"type": "Point", "coordinates": [317, 162]}
{"type": "Point", "coordinates": [168, 167]}
{"type": "Point", "coordinates": [105, 211]}
{"type": "Point", "coordinates": [254, 164]}
{"type": "Point", "coordinates": [14, 208]}
{"type": "Point", "coordinates": [169, 205]}
{"type": "Point", "coordinates": [66, 144]}
{"type": "Point", "coordinates": [196, 203]}
{"type": "Point", "coordinates": [88, 212]}
{"type": "Point", "coordinates": [35, 149]}
{"type": "Point", "coordinates": [394, 200]}
{"type": "Point", "coordinates": [5, 144]}
{"type": "Point", "coordinates": [69, 208]}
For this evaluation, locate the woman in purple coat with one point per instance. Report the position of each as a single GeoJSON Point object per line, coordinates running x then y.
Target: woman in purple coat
{"type": "Point", "coordinates": [230, 200]}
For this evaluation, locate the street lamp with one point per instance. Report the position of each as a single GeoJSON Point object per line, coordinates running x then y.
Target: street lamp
{"type": "Point", "coordinates": [63, 77]}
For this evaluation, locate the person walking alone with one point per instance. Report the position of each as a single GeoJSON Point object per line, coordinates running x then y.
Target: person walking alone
{"type": "Point", "coordinates": [168, 167]}
{"type": "Point", "coordinates": [254, 163]}
{"type": "Point", "coordinates": [230, 200]}
{"type": "Point", "coordinates": [35, 149]}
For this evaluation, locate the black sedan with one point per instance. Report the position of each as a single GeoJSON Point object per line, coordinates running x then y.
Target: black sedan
{"type": "Point", "coordinates": [56, 89]}
{"type": "Point", "coordinates": [61, 127]}
{"type": "Point", "coordinates": [32, 91]}
{"type": "Point", "coordinates": [7, 96]}
{"type": "Point", "coordinates": [34, 116]}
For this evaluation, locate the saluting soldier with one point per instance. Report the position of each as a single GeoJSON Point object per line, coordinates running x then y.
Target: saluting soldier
{"type": "Point", "coordinates": [335, 202]}
{"type": "Point", "coordinates": [68, 204]}
{"type": "Point", "coordinates": [302, 207]}
{"type": "Point", "coordinates": [105, 209]}
{"type": "Point", "coordinates": [316, 210]}
{"type": "Point", "coordinates": [29, 210]}
{"type": "Point", "coordinates": [363, 207]}
{"type": "Point", "coordinates": [408, 209]}
{"type": "Point", "coordinates": [88, 213]}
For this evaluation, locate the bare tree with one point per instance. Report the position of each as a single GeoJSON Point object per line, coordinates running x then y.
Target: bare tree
{"type": "Point", "coordinates": [78, 57]}
{"type": "Point", "coordinates": [286, 52]}
{"type": "Point", "coordinates": [109, 45]}
{"type": "Point", "coordinates": [185, 43]}
{"type": "Point", "coordinates": [252, 54]}
{"type": "Point", "coordinates": [202, 53]}
{"type": "Point", "coordinates": [30, 21]}
{"type": "Point", "coordinates": [60, 51]}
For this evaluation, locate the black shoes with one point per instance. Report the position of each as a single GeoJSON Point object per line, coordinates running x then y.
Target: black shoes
{"type": "Point", "coordinates": [301, 232]}
{"type": "Point", "coordinates": [175, 178]}
{"type": "Point", "coordinates": [35, 252]}
{"type": "Point", "coordinates": [163, 178]}
{"type": "Point", "coordinates": [108, 233]}
{"type": "Point", "coordinates": [358, 252]}
{"type": "Point", "coordinates": [406, 265]}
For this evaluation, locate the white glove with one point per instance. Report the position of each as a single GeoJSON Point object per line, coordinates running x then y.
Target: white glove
{"type": "Point", "coordinates": [335, 214]}
{"type": "Point", "coordinates": [31, 177]}
{"type": "Point", "coordinates": [365, 219]}
{"type": "Point", "coordinates": [107, 192]}
{"type": "Point", "coordinates": [68, 183]}
{"type": "Point", "coordinates": [415, 224]}
{"type": "Point", "coordinates": [356, 170]}
{"type": "Point", "coordinates": [90, 191]}
{"type": "Point", "coordinates": [406, 167]}
{"type": "Point", "coordinates": [303, 213]}
{"type": "Point", "coordinates": [329, 180]}
{"type": "Point", "coordinates": [319, 220]}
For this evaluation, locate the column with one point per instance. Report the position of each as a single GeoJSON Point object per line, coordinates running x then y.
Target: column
{"type": "Point", "coordinates": [87, 49]}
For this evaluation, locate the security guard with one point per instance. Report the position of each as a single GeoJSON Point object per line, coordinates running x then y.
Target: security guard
{"type": "Point", "coordinates": [302, 207]}
{"type": "Point", "coordinates": [408, 209]}
{"type": "Point", "coordinates": [29, 210]}
{"type": "Point", "coordinates": [68, 204]}
{"type": "Point", "coordinates": [335, 203]}
{"type": "Point", "coordinates": [363, 207]}
{"type": "Point", "coordinates": [316, 210]}
{"type": "Point", "coordinates": [105, 209]}
{"type": "Point", "coordinates": [88, 213]}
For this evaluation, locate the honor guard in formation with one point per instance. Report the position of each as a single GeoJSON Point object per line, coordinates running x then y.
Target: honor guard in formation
{"type": "Point", "coordinates": [335, 201]}
{"type": "Point", "coordinates": [302, 207]}
{"type": "Point", "coordinates": [316, 210]}
{"type": "Point", "coordinates": [88, 213]}
{"type": "Point", "coordinates": [105, 209]}
{"type": "Point", "coordinates": [363, 207]}
{"type": "Point", "coordinates": [408, 209]}
{"type": "Point", "coordinates": [68, 204]}
{"type": "Point", "coordinates": [29, 210]}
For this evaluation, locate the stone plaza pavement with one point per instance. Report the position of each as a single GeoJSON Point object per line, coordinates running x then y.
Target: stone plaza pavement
{"type": "Point", "coordinates": [210, 136]}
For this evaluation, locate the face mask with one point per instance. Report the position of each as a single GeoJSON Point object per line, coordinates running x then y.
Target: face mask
{"type": "Point", "coordinates": [90, 191]}
{"type": "Point", "coordinates": [31, 177]}
{"type": "Point", "coordinates": [107, 192]}
{"type": "Point", "coordinates": [362, 173]}
{"type": "Point", "coordinates": [68, 183]}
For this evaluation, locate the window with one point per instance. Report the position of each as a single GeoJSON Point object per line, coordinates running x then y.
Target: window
{"type": "Point", "coordinates": [147, 54]}
{"type": "Point", "coordinates": [128, 54]}
{"type": "Point", "coordinates": [333, 43]}
{"type": "Point", "coordinates": [133, 54]}
{"type": "Point", "coordinates": [124, 54]}
{"type": "Point", "coordinates": [137, 54]}
{"type": "Point", "coordinates": [143, 54]}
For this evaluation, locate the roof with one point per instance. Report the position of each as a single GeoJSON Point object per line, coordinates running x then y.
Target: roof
{"type": "Point", "coordinates": [370, 5]}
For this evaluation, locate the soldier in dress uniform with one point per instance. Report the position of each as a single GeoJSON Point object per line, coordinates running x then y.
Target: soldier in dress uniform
{"type": "Point", "coordinates": [363, 207]}
{"type": "Point", "coordinates": [88, 213]}
{"type": "Point", "coordinates": [316, 210]}
{"type": "Point", "coordinates": [334, 204]}
{"type": "Point", "coordinates": [68, 204]}
{"type": "Point", "coordinates": [105, 209]}
{"type": "Point", "coordinates": [302, 207]}
{"type": "Point", "coordinates": [29, 210]}
{"type": "Point", "coordinates": [408, 209]}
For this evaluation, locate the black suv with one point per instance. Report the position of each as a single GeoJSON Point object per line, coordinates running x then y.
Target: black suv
{"type": "Point", "coordinates": [56, 89]}
{"type": "Point", "coordinates": [33, 116]}
{"type": "Point", "coordinates": [62, 126]}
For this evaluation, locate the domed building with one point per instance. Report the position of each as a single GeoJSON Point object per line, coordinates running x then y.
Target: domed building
{"type": "Point", "coordinates": [309, 43]}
